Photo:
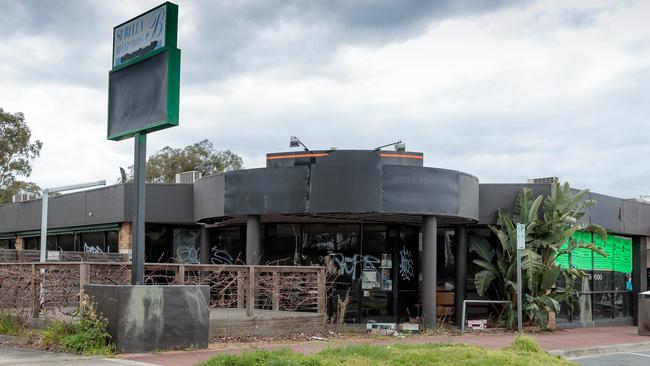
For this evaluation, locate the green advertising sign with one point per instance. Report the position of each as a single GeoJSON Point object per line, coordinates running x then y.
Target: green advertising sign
{"type": "Point", "coordinates": [144, 83]}
{"type": "Point", "coordinates": [618, 254]}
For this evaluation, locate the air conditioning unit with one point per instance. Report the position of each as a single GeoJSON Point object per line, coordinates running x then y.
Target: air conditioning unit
{"type": "Point", "coordinates": [188, 177]}
{"type": "Point", "coordinates": [546, 180]}
{"type": "Point", "coordinates": [21, 197]}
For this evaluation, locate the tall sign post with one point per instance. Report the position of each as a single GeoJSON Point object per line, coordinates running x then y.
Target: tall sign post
{"type": "Point", "coordinates": [143, 97]}
{"type": "Point", "coordinates": [521, 245]}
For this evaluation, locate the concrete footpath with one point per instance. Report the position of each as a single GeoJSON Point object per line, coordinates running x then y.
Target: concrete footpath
{"type": "Point", "coordinates": [569, 343]}
{"type": "Point", "coordinates": [29, 357]}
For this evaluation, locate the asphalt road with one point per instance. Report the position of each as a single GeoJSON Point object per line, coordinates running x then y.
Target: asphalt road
{"type": "Point", "coordinates": [641, 358]}
{"type": "Point", "coordinates": [25, 357]}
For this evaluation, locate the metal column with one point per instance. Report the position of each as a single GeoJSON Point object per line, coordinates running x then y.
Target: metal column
{"type": "Point", "coordinates": [639, 272]}
{"type": "Point", "coordinates": [253, 240]}
{"type": "Point", "coordinates": [44, 201]}
{"type": "Point", "coordinates": [460, 259]}
{"type": "Point", "coordinates": [429, 249]}
{"type": "Point", "coordinates": [140, 157]}
{"type": "Point", "coordinates": [205, 245]}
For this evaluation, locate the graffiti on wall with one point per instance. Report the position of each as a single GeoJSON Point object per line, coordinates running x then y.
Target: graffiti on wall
{"type": "Point", "coordinates": [348, 265]}
{"type": "Point", "coordinates": [187, 254]}
{"type": "Point", "coordinates": [220, 256]}
{"type": "Point", "coordinates": [192, 255]}
{"type": "Point", "coordinates": [93, 249]}
{"type": "Point", "coordinates": [406, 269]}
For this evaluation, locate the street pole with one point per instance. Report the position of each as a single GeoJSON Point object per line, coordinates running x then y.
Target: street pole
{"type": "Point", "coordinates": [44, 202]}
{"type": "Point", "coordinates": [140, 163]}
{"type": "Point", "coordinates": [521, 245]}
{"type": "Point", "coordinates": [519, 300]}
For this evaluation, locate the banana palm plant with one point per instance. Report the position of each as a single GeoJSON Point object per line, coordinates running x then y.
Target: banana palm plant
{"type": "Point", "coordinates": [546, 233]}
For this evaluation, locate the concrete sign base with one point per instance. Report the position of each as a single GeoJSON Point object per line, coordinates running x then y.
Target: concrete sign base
{"type": "Point", "coordinates": [153, 318]}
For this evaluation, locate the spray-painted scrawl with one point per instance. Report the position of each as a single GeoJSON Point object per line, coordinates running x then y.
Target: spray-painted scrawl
{"type": "Point", "coordinates": [406, 264]}
{"type": "Point", "coordinates": [348, 265]}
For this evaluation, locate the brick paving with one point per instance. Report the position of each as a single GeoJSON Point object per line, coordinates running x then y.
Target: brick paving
{"type": "Point", "coordinates": [567, 339]}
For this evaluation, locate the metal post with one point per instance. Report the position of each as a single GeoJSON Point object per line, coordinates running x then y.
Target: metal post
{"type": "Point", "coordinates": [44, 202]}
{"type": "Point", "coordinates": [461, 269]}
{"type": "Point", "coordinates": [519, 302]}
{"type": "Point", "coordinates": [429, 249]}
{"type": "Point", "coordinates": [205, 245]}
{"type": "Point", "coordinates": [140, 162]}
{"type": "Point", "coordinates": [253, 240]}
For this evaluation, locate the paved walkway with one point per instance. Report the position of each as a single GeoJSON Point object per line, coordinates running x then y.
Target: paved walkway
{"type": "Point", "coordinates": [569, 339]}
{"type": "Point", "coordinates": [28, 357]}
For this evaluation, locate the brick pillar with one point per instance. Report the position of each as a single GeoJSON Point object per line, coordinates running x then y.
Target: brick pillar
{"type": "Point", "coordinates": [20, 243]}
{"type": "Point", "coordinates": [125, 238]}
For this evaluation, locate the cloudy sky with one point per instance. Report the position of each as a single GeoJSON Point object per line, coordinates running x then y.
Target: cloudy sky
{"type": "Point", "coordinates": [505, 90]}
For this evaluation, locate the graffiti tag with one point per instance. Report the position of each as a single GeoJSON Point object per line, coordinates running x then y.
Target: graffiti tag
{"type": "Point", "coordinates": [405, 264]}
{"type": "Point", "coordinates": [348, 265]}
{"type": "Point", "coordinates": [92, 249]}
{"type": "Point", "coordinates": [219, 256]}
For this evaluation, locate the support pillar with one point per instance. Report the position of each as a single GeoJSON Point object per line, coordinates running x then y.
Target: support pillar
{"type": "Point", "coordinates": [253, 239]}
{"type": "Point", "coordinates": [639, 272]}
{"type": "Point", "coordinates": [205, 245]}
{"type": "Point", "coordinates": [460, 259]}
{"type": "Point", "coordinates": [139, 179]}
{"type": "Point", "coordinates": [429, 253]}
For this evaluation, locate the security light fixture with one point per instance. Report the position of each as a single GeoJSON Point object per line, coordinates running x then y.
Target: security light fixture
{"type": "Point", "coordinates": [399, 145]}
{"type": "Point", "coordinates": [295, 142]}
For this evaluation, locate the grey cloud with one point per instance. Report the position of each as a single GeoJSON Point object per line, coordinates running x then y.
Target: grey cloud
{"type": "Point", "coordinates": [230, 39]}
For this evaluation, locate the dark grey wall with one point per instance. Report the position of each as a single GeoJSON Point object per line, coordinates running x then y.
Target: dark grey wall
{"type": "Point", "coordinates": [343, 182]}
{"type": "Point", "coordinates": [166, 203]}
{"type": "Point", "coordinates": [97, 206]}
{"type": "Point", "coordinates": [495, 196]}
{"type": "Point", "coordinates": [265, 190]}
{"type": "Point", "coordinates": [208, 197]}
{"type": "Point", "coordinates": [615, 214]}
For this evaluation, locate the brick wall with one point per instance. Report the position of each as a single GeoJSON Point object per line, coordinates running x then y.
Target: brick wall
{"type": "Point", "coordinates": [125, 238]}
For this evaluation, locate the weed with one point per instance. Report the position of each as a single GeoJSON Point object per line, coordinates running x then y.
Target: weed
{"type": "Point", "coordinates": [10, 324]}
{"type": "Point", "coordinates": [87, 335]}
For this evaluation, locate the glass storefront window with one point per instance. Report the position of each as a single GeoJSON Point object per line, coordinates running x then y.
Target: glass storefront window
{"type": "Point", "coordinates": [158, 243]}
{"type": "Point", "coordinates": [282, 244]}
{"type": "Point", "coordinates": [66, 242]}
{"type": "Point", "coordinates": [185, 245]}
{"type": "Point", "coordinates": [7, 243]}
{"type": "Point", "coordinates": [227, 245]}
{"type": "Point", "coordinates": [93, 242]}
{"type": "Point", "coordinates": [112, 241]}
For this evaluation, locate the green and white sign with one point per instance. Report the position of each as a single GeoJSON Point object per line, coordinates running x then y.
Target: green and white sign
{"type": "Point", "coordinates": [145, 34]}
{"type": "Point", "coordinates": [144, 83]}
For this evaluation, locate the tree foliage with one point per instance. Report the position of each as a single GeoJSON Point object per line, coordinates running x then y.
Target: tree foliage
{"type": "Point", "coordinates": [546, 233]}
{"type": "Point", "coordinates": [201, 156]}
{"type": "Point", "coordinates": [16, 154]}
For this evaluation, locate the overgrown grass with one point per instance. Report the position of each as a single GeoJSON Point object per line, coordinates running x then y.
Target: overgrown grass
{"type": "Point", "coordinates": [10, 324]}
{"type": "Point", "coordinates": [523, 351]}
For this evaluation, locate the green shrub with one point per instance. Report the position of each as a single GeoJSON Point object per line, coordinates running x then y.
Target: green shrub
{"type": "Point", "coordinates": [87, 335]}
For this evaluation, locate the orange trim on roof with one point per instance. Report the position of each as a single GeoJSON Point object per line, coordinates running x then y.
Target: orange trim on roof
{"type": "Point", "coordinates": [406, 156]}
{"type": "Point", "coordinates": [317, 155]}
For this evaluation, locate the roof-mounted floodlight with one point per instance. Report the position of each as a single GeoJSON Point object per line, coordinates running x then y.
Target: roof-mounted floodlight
{"type": "Point", "coordinates": [295, 142]}
{"type": "Point", "coordinates": [399, 146]}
